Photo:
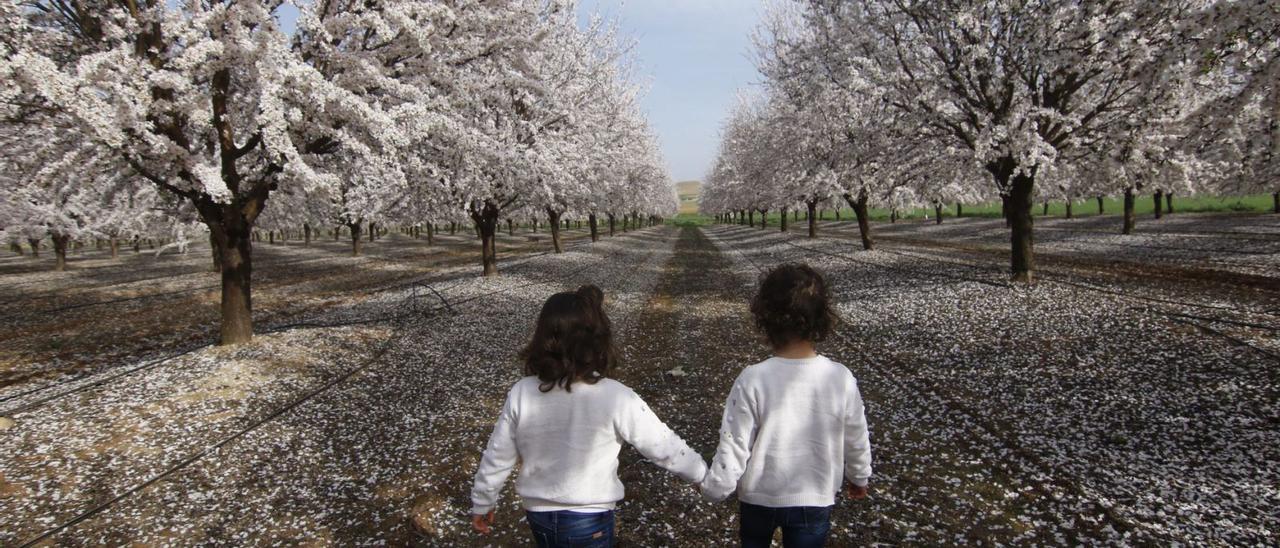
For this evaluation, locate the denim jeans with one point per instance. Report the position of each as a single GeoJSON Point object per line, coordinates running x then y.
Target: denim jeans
{"type": "Point", "coordinates": [802, 526]}
{"type": "Point", "coordinates": [566, 529]}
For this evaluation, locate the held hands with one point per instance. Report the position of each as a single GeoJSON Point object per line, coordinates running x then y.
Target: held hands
{"type": "Point", "coordinates": [855, 492]}
{"type": "Point", "coordinates": [481, 522]}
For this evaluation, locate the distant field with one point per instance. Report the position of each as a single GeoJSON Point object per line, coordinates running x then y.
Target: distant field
{"type": "Point", "coordinates": [689, 192]}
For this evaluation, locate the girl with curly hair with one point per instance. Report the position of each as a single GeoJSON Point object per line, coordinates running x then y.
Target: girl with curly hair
{"type": "Point", "coordinates": [793, 429]}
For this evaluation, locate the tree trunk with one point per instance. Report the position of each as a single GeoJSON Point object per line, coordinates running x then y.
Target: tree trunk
{"type": "Point", "coordinates": [431, 234]}
{"type": "Point", "coordinates": [893, 216]}
{"type": "Point", "coordinates": [115, 247]}
{"type": "Point", "coordinates": [764, 218]}
{"type": "Point", "coordinates": [782, 219]}
{"type": "Point", "coordinates": [837, 214]}
{"type": "Point", "coordinates": [813, 219]}
{"type": "Point", "coordinates": [1275, 202]}
{"type": "Point", "coordinates": [1004, 211]}
{"type": "Point", "coordinates": [217, 253]}
{"type": "Point", "coordinates": [355, 238]}
{"type": "Point", "coordinates": [593, 223]}
{"type": "Point", "coordinates": [1022, 264]}
{"type": "Point", "coordinates": [137, 244]}
{"type": "Point", "coordinates": [235, 248]}
{"type": "Point", "coordinates": [511, 227]}
{"type": "Point", "coordinates": [1046, 210]}
{"type": "Point", "coordinates": [16, 248]}
{"type": "Point", "coordinates": [864, 222]}
{"type": "Point", "coordinates": [1100, 208]}
{"type": "Point", "coordinates": [1070, 214]}
{"type": "Point", "coordinates": [485, 216]}
{"type": "Point", "coordinates": [1168, 203]}
{"type": "Point", "coordinates": [306, 234]}
{"type": "Point", "coordinates": [35, 247]}
{"type": "Point", "coordinates": [959, 210]}
{"type": "Point", "coordinates": [60, 251]}
{"type": "Point", "coordinates": [1130, 217]}
{"type": "Point", "coordinates": [453, 228]}
{"type": "Point", "coordinates": [271, 236]}
{"type": "Point", "coordinates": [553, 218]}
{"type": "Point", "coordinates": [1159, 199]}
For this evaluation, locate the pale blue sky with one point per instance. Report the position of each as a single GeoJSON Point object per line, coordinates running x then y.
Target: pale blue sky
{"type": "Point", "coordinates": [693, 54]}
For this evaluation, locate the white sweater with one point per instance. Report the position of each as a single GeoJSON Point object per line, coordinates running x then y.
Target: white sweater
{"type": "Point", "coordinates": [568, 444]}
{"type": "Point", "coordinates": [792, 430]}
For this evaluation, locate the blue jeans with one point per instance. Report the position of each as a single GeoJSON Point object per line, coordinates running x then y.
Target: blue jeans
{"type": "Point", "coordinates": [566, 529]}
{"type": "Point", "coordinates": [802, 526]}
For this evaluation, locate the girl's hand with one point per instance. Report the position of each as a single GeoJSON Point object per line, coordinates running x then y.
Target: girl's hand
{"type": "Point", "coordinates": [481, 522]}
{"type": "Point", "coordinates": [855, 492]}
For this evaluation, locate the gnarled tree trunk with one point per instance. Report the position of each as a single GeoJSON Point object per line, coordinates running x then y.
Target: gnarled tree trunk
{"type": "Point", "coordinates": [553, 217]}
{"type": "Point", "coordinates": [354, 227]}
{"type": "Point", "coordinates": [1130, 218]}
{"type": "Point", "coordinates": [812, 217]}
{"type": "Point", "coordinates": [782, 219]}
{"type": "Point", "coordinates": [485, 216]}
{"type": "Point", "coordinates": [1017, 202]}
{"type": "Point", "coordinates": [217, 253]}
{"type": "Point", "coordinates": [60, 251]}
{"type": "Point", "coordinates": [594, 225]}
{"type": "Point", "coordinates": [1159, 200]}
{"type": "Point", "coordinates": [859, 206]}
{"type": "Point", "coordinates": [937, 212]}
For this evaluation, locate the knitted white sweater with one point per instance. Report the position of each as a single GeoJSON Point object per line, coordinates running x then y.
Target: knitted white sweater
{"type": "Point", "coordinates": [792, 430]}
{"type": "Point", "coordinates": [568, 444]}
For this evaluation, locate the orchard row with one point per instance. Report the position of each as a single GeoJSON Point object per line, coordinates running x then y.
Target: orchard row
{"type": "Point", "coordinates": [129, 120]}
{"type": "Point", "coordinates": [902, 105]}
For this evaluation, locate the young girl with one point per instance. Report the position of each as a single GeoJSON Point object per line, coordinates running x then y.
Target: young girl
{"type": "Point", "coordinates": [566, 422]}
{"type": "Point", "coordinates": [793, 427]}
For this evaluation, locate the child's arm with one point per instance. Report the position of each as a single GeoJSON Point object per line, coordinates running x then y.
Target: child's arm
{"type": "Point", "coordinates": [496, 462]}
{"type": "Point", "coordinates": [737, 432]}
{"type": "Point", "coordinates": [857, 442]}
{"type": "Point", "coordinates": [638, 426]}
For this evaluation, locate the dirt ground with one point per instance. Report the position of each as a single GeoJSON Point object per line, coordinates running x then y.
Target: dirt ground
{"type": "Point", "coordinates": [1129, 397]}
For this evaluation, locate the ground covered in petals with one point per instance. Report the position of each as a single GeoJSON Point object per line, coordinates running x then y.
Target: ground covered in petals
{"type": "Point", "coordinates": [1129, 396]}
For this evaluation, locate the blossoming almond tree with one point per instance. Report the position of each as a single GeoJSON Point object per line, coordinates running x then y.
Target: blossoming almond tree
{"type": "Point", "coordinates": [1018, 85]}
{"type": "Point", "coordinates": [207, 101]}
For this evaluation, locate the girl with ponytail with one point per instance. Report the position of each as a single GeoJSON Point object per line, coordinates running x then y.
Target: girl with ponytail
{"type": "Point", "coordinates": [565, 422]}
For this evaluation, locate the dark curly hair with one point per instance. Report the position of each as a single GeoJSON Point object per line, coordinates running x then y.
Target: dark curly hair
{"type": "Point", "coordinates": [793, 304]}
{"type": "Point", "coordinates": [572, 342]}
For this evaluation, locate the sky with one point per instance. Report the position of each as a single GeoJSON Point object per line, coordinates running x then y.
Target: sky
{"type": "Point", "coordinates": [694, 55]}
